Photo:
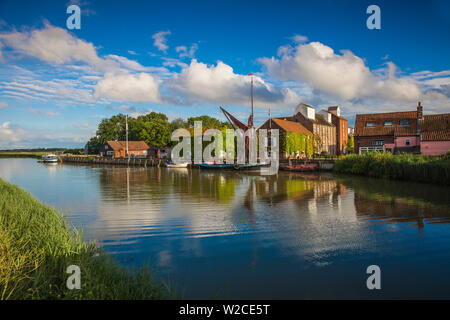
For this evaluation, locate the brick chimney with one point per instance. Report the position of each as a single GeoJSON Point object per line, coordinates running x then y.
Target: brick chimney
{"type": "Point", "coordinates": [419, 111]}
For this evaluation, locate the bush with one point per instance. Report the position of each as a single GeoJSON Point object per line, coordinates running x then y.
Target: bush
{"type": "Point", "coordinates": [403, 167]}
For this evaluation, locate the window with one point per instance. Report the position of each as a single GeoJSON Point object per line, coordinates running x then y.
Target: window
{"type": "Point", "coordinates": [377, 142]}
{"type": "Point", "coordinates": [110, 153]}
{"type": "Point", "coordinates": [370, 124]}
{"type": "Point", "coordinates": [407, 142]}
{"type": "Point", "coordinates": [404, 122]}
{"type": "Point", "coordinates": [388, 123]}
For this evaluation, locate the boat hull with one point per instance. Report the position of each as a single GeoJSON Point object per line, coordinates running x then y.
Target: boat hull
{"type": "Point", "coordinates": [301, 167]}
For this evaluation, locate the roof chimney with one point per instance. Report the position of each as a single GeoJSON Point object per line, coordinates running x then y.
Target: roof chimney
{"type": "Point", "coordinates": [326, 115]}
{"type": "Point", "coordinates": [419, 111]}
{"type": "Point", "coordinates": [335, 110]}
{"type": "Point", "coordinates": [307, 111]}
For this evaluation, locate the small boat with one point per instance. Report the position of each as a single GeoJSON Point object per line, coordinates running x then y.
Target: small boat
{"type": "Point", "coordinates": [249, 166]}
{"type": "Point", "coordinates": [302, 167]}
{"type": "Point", "coordinates": [50, 158]}
{"type": "Point", "coordinates": [222, 166]}
{"type": "Point", "coordinates": [179, 165]}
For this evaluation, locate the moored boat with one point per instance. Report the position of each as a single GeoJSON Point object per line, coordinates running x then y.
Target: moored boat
{"type": "Point", "coordinates": [50, 158]}
{"type": "Point", "coordinates": [179, 165]}
{"type": "Point", "coordinates": [216, 166]}
{"type": "Point", "coordinates": [302, 167]}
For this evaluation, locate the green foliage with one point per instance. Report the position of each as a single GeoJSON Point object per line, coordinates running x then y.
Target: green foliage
{"type": "Point", "coordinates": [93, 145]}
{"type": "Point", "coordinates": [37, 246]}
{"type": "Point", "coordinates": [154, 128]}
{"type": "Point", "coordinates": [178, 124]}
{"type": "Point", "coordinates": [208, 122]}
{"type": "Point", "coordinates": [402, 167]}
{"type": "Point", "coordinates": [350, 144]}
{"type": "Point", "coordinates": [112, 129]}
{"type": "Point", "coordinates": [295, 141]}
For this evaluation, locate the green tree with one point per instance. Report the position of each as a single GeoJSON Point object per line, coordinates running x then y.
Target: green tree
{"type": "Point", "coordinates": [350, 144]}
{"type": "Point", "coordinates": [154, 131]}
{"type": "Point", "coordinates": [112, 129]}
{"type": "Point", "coordinates": [208, 122]}
{"type": "Point", "coordinates": [178, 123]}
{"type": "Point", "coordinates": [93, 145]}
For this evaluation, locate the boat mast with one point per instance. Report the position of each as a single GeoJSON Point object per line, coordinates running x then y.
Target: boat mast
{"type": "Point", "coordinates": [251, 93]}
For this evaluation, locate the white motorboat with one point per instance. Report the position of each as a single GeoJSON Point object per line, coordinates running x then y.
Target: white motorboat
{"type": "Point", "coordinates": [50, 158]}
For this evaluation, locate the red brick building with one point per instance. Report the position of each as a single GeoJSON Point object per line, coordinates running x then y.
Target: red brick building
{"type": "Point", "coordinates": [395, 132]}
{"type": "Point", "coordinates": [435, 134]}
{"type": "Point", "coordinates": [319, 124]}
{"type": "Point", "coordinates": [341, 125]}
{"type": "Point", "coordinates": [117, 149]}
{"type": "Point", "coordinates": [285, 126]}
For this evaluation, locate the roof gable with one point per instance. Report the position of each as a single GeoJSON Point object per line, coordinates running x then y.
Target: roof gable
{"type": "Point", "coordinates": [291, 126]}
{"type": "Point", "coordinates": [132, 145]}
{"type": "Point", "coordinates": [379, 129]}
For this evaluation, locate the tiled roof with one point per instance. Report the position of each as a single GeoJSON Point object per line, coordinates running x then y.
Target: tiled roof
{"type": "Point", "coordinates": [435, 127]}
{"type": "Point", "coordinates": [132, 145]}
{"type": "Point", "coordinates": [436, 135]}
{"type": "Point", "coordinates": [291, 126]}
{"type": "Point", "coordinates": [380, 130]}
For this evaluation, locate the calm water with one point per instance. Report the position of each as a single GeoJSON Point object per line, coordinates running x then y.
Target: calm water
{"type": "Point", "coordinates": [234, 235]}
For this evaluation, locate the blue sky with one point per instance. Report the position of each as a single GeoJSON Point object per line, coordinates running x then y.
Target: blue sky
{"type": "Point", "coordinates": [185, 58]}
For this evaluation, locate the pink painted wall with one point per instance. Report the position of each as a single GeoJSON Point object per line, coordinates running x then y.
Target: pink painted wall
{"type": "Point", "coordinates": [434, 148]}
{"type": "Point", "coordinates": [401, 141]}
{"type": "Point", "coordinates": [389, 146]}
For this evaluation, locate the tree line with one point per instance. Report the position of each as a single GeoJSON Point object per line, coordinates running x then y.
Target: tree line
{"type": "Point", "coordinates": [154, 128]}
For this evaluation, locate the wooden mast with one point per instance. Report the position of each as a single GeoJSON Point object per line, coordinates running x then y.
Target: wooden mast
{"type": "Point", "coordinates": [252, 98]}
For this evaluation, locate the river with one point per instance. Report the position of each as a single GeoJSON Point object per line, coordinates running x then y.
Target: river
{"type": "Point", "coordinates": [236, 235]}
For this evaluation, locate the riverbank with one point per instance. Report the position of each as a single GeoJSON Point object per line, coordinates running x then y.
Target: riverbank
{"type": "Point", "coordinates": [408, 167]}
{"type": "Point", "coordinates": [37, 246]}
{"type": "Point", "coordinates": [12, 154]}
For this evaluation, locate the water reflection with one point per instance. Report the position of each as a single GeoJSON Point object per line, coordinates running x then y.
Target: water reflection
{"type": "Point", "coordinates": [253, 236]}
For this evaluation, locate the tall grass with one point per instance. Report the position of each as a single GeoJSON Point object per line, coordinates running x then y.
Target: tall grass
{"type": "Point", "coordinates": [401, 167]}
{"type": "Point", "coordinates": [37, 246]}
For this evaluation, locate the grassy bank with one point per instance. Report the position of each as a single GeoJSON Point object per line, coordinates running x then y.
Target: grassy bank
{"type": "Point", "coordinates": [401, 167]}
{"type": "Point", "coordinates": [37, 246]}
{"type": "Point", "coordinates": [12, 154]}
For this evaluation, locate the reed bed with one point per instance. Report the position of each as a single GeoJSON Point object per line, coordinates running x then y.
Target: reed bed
{"type": "Point", "coordinates": [409, 167]}
{"type": "Point", "coordinates": [37, 246]}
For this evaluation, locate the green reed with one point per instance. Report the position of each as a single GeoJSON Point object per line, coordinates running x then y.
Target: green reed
{"type": "Point", "coordinates": [37, 246]}
{"type": "Point", "coordinates": [410, 167]}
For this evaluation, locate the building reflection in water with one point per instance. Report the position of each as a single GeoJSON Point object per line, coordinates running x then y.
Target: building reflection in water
{"type": "Point", "coordinates": [234, 229]}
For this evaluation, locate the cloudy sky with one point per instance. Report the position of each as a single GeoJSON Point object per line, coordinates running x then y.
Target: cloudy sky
{"type": "Point", "coordinates": [187, 58]}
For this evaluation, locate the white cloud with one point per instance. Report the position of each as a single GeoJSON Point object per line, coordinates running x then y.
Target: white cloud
{"type": "Point", "coordinates": [344, 75]}
{"type": "Point", "coordinates": [141, 87]}
{"type": "Point", "coordinates": [160, 40]}
{"type": "Point", "coordinates": [81, 125]}
{"type": "Point", "coordinates": [43, 112]}
{"type": "Point", "coordinates": [9, 134]}
{"type": "Point", "coordinates": [53, 45]}
{"type": "Point", "coordinates": [297, 38]}
{"type": "Point", "coordinates": [185, 52]}
{"type": "Point", "coordinates": [57, 46]}
{"type": "Point", "coordinates": [219, 84]}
